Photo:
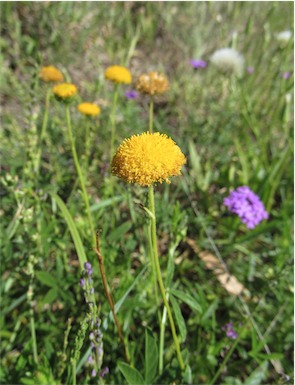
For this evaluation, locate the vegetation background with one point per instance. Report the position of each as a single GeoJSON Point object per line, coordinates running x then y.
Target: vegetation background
{"type": "Point", "coordinates": [233, 131]}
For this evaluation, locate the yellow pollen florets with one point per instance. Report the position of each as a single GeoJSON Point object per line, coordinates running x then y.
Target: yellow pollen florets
{"type": "Point", "coordinates": [51, 74]}
{"type": "Point", "coordinates": [88, 109]}
{"type": "Point", "coordinates": [152, 83]}
{"type": "Point", "coordinates": [148, 158]}
{"type": "Point", "coordinates": [118, 74]}
{"type": "Point", "coordinates": [65, 90]}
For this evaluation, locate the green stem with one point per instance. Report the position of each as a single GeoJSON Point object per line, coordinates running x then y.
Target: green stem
{"type": "Point", "coordinates": [87, 146]}
{"type": "Point", "coordinates": [74, 372]}
{"type": "Point", "coordinates": [151, 115]}
{"type": "Point", "coordinates": [33, 334]}
{"type": "Point", "coordinates": [162, 335]}
{"type": "Point", "coordinates": [80, 174]}
{"type": "Point", "coordinates": [230, 352]}
{"type": "Point", "coordinates": [159, 275]}
{"type": "Point", "coordinates": [113, 121]}
{"type": "Point", "coordinates": [43, 130]}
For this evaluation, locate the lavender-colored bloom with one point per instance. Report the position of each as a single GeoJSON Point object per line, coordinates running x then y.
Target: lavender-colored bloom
{"type": "Point", "coordinates": [286, 75]}
{"type": "Point", "coordinates": [230, 332]}
{"type": "Point", "coordinates": [198, 63]}
{"type": "Point", "coordinates": [247, 205]}
{"type": "Point", "coordinates": [90, 359]}
{"type": "Point", "coordinates": [87, 266]}
{"type": "Point", "coordinates": [131, 94]}
{"type": "Point", "coordinates": [82, 282]}
{"type": "Point", "coordinates": [93, 373]}
{"type": "Point", "coordinates": [104, 371]}
{"type": "Point", "coordinates": [250, 70]}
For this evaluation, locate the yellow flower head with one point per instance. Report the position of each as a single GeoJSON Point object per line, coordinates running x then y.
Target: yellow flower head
{"type": "Point", "coordinates": [148, 158]}
{"type": "Point", "coordinates": [118, 74]}
{"type": "Point", "coordinates": [65, 91]}
{"type": "Point", "coordinates": [51, 74]}
{"type": "Point", "coordinates": [88, 109]}
{"type": "Point", "coordinates": [152, 83]}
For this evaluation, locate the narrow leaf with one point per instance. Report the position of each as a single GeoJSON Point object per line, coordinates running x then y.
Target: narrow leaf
{"type": "Point", "coordinates": [258, 375]}
{"type": "Point", "coordinates": [186, 298]}
{"type": "Point", "coordinates": [46, 278]}
{"type": "Point", "coordinates": [151, 358]}
{"type": "Point", "coordinates": [73, 229]}
{"type": "Point", "coordinates": [179, 318]}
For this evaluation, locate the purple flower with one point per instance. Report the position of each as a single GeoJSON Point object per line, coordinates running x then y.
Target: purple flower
{"type": "Point", "coordinates": [247, 205]}
{"type": "Point", "coordinates": [104, 371]}
{"type": "Point", "coordinates": [286, 75]}
{"type": "Point", "coordinates": [131, 94]}
{"type": "Point", "coordinates": [82, 282]}
{"type": "Point", "coordinates": [198, 63]}
{"type": "Point", "coordinates": [93, 373]}
{"type": "Point", "coordinates": [250, 70]}
{"type": "Point", "coordinates": [230, 332]}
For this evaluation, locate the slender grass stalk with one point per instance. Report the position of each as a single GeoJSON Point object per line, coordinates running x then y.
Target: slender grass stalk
{"type": "Point", "coordinates": [80, 174]}
{"type": "Point", "coordinates": [151, 115]}
{"type": "Point", "coordinates": [109, 297]}
{"type": "Point", "coordinates": [113, 120]}
{"type": "Point", "coordinates": [87, 146]}
{"type": "Point", "coordinates": [43, 129]}
{"type": "Point", "coordinates": [159, 275]}
{"type": "Point", "coordinates": [227, 357]}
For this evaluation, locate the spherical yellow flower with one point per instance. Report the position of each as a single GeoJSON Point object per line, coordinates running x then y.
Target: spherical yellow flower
{"type": "Point", "coordinates": [88, 109]}
{"type": "Point", "coordinates": [65, 90]}
{"type": "Point", "coordinates": [118, 74]}
{"type": "Point", "coordinates": [152, 83]}
{"type": "Point", "coordinates": [51, 74]}
{"type": "Point", "coordinates": [148, 158]}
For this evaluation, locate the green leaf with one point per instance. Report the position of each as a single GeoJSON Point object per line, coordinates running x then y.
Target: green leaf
{"type": "Point", "coordinates": [188, 299]}
{"type": "Point", "coordinates": [151, 358]}
{"type": "Point", "coordinates": [179, 318]}
{"type": "Point", "coordinates": [132, 376]}
{"type": "Point", "coordinates": [258, 375]}
{"type": "Point", "coordinates": [119, 231]}
{"type": "Point", "coordinates": [73, 229]}
{"type": "Point", "coordinates": [46, 278]}
{"type": "Point", "coordinates": [50, 296]}
{"type": "Point", "coordinates": [105, 203]}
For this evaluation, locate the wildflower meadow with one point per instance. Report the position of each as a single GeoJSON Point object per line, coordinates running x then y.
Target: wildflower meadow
{"type": "Point", "coordinates": [147, 193]}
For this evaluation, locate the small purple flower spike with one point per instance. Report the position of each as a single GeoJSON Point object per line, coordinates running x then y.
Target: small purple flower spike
{"type": "Point", "coordinates": [250, 70]}
{"type": "Point", "coordinates": [230, 332]}
{"type": "Point", "coordinates": [198, 63]}
{"type": "Point", "coordinates": [82, 282]}
{"type": "Point", "coordinates": [131, 94]}
{"type": "Point", "coordinates": [247, 205]}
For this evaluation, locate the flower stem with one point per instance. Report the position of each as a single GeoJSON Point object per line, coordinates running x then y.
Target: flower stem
{"type": "Point", "coordinates": [161, 345]}
{"type": "Point", "coordinates": [80, 174]}
{"type": "Point", "coordinates": [151, 115]}
{"type": "Point", "coordinates": [87, 146]}
{"type": "Point", "coordinates": [159, 275]}
{"type": "Point", "coordinates": [113, 120]}
{"type": "Point", "coordinates": [74, 372]}
{"type": "Point", "coordinates": [43, 130]}
{"type": "Point", "coordinates": [109, 297]}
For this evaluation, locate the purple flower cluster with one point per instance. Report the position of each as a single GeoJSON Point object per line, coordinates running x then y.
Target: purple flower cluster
{"type": "Point", "coordinates": [247, 205]}
{"type": "Point", "coordinates": [131, 94]}
{"type": "Point", "coordinates": [198, 63]}
{"type": "Point", "coordinates": [230, 332]}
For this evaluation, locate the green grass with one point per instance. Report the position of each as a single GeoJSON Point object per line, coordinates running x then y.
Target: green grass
{"type": "Point", "coordinates": [233, 132]}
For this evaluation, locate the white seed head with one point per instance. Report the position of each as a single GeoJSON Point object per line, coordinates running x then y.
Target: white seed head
{"type": "Point", "coordinates": [228, 60]}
